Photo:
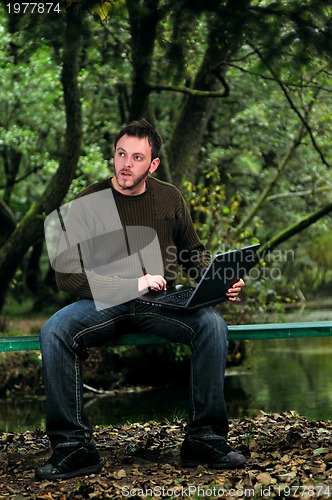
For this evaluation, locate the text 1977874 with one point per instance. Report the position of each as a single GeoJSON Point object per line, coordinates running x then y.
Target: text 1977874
{"type": "Point", "coordinates": [33, 8]}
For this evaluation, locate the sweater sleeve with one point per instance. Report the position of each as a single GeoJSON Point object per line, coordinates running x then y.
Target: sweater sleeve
{"type": "Point", "coordinates": [105, 284]}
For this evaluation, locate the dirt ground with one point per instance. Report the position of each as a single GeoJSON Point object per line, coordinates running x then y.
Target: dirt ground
{"type": "Point", "coordinates": [288, 457]}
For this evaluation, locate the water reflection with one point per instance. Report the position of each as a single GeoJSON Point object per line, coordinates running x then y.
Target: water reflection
{"type": "Point", "coordinates": [21, 416]}
{"type": "Point", "coordinates": [285, 374]}
{"type": "Point", "coordinates": [277, 375]}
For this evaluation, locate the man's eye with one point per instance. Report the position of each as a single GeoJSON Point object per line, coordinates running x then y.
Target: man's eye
{"type": "Point", "coordinates": [138, 158]}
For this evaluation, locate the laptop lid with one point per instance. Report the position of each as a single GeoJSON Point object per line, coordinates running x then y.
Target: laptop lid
{"type": "Point", "coordinates": [224, 270]}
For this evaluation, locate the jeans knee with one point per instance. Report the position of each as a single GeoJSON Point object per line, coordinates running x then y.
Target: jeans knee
{"type": "Point", "coordinates": [54, 331]}
{"type": "Point", "coordinates": [216, 323]}
{"type": "Point", "coordinates": [46, 332]}
{"type": "Point", "coordinates": [213, 327]}
{"type": "Point", "coordinates": [219, 333]}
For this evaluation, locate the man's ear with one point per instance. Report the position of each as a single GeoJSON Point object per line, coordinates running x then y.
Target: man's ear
{"type": "Point", "coordinates": [154, 165]}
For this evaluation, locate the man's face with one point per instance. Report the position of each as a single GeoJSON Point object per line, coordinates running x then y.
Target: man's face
{"type": "Point", "coordinates": [132, 164]}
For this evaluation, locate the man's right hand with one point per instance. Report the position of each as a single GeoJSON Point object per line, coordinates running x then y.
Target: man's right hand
{"type": "Point", "coordinates": [150, 282]}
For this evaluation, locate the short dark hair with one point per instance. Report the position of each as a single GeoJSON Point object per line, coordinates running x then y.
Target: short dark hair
{"type": "Point", "coordinates": [142, 129]}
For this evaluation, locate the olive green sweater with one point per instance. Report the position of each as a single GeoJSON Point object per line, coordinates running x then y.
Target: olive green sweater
{"type": "Point", "coordinates": [162, 208]}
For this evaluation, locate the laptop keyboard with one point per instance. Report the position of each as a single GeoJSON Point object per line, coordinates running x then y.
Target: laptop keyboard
{"type": "Point", "coordinates": [179, 298]}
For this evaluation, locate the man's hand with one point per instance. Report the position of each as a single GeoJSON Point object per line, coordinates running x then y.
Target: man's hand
{"type": "Point", "coordinates": [149, 282]}
{"type": "Point", "coordinates": [234, 291]}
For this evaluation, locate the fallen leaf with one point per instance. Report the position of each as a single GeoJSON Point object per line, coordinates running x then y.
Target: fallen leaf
{"type": "Point", "coordinates": [265, 479]}
{"type": "Point", "coordinates": [120, 474]}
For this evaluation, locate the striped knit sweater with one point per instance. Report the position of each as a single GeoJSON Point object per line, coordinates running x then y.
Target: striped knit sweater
{"type": "Point", "coordinates": [160, 207]}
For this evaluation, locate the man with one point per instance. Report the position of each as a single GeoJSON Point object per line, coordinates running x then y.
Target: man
{"type": "Point", "coordinates": [140, 200]}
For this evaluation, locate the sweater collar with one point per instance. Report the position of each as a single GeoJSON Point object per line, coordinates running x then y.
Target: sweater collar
{"type": "Point", "coordinates": [133, 197]}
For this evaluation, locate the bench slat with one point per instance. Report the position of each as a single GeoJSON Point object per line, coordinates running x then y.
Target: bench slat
{"type": "Point", "coordinates": [236, 332]}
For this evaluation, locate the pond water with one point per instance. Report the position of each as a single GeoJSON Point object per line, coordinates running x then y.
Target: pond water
{"type": "Point", "coordinates": [282, 375]}
{"type": "Point", "coordinates": [276, 376]}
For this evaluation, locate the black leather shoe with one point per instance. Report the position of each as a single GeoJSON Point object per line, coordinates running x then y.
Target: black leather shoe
{"type": "Point", "coordinates": [211, 451]}
{"type": "Point", "coordinates": [70, 461]}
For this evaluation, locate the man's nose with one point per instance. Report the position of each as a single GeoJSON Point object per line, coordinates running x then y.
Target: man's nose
{"type": "Point", "coordinates": [128, 162]}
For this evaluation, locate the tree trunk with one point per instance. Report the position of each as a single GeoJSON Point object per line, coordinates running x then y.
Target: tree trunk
{"type": "Point", "coordinates": [32, 274]}
{"type": "Point", "coordinates": [144, 19]}
{"type": "Point", "coordinates": [188, 135]}
{"type": "Point", "coordinates": [31, 226]}
{"type": "Point", "coordinates": [7, 221]}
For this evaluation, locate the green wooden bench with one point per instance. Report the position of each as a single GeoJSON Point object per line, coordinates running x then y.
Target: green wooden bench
{"type": "Point", "coordinates": [236, 332]}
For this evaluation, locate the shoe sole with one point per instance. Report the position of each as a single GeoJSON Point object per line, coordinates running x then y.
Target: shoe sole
{"type": "Point", "coordinates": [208, 465]}
{"type": "Point", "coordinates": [94, 469]}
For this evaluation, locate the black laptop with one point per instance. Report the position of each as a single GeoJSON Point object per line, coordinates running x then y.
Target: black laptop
{"type": "Point", "coordinates": [224, 270]}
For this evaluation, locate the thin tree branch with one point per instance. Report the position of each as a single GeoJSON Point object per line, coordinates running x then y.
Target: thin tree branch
{"type": "Point", "coordinates": [19, 179]}
{"type": "Point", "coordinates": [293, 106]}
{"type": "Point", "coordinates": [297, 193]}
{"type": "Point", "coordinates": [308, 83]}
{"type": "Point", "coordinates": [262, 198]}
{"type": "Point", "coordinates": [188, 90]}
{"type": "Point", "coordinates": [295, 228]}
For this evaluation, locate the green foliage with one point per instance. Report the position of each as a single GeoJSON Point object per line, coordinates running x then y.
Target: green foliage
{"type": "Point", "coordinates": [31, 124]}
{"type": "Point", "coordinates": [215, 214]}
{"type": "Point", "coordinates": [211, 215]}
{"type": "Point", "coordinates": [103, 7]}
{"type": "Point", "coordinates": [321, 251]}
{"type": "Point", "coordinates": [247, 134]}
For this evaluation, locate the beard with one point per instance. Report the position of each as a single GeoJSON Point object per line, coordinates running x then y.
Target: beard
{"type": "Point", "coordinates": [132, 182]}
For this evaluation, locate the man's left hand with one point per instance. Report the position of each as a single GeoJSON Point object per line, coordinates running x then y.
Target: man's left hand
{"type": "Point", "coordinates": [234, 291]}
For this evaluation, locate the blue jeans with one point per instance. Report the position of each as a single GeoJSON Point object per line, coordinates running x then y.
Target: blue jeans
{"type": "Point", "coordinates": [79, 326]}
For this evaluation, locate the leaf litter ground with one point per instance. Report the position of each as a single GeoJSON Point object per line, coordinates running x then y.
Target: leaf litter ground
{"type": "Point", "coordinates": [288, 457]}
